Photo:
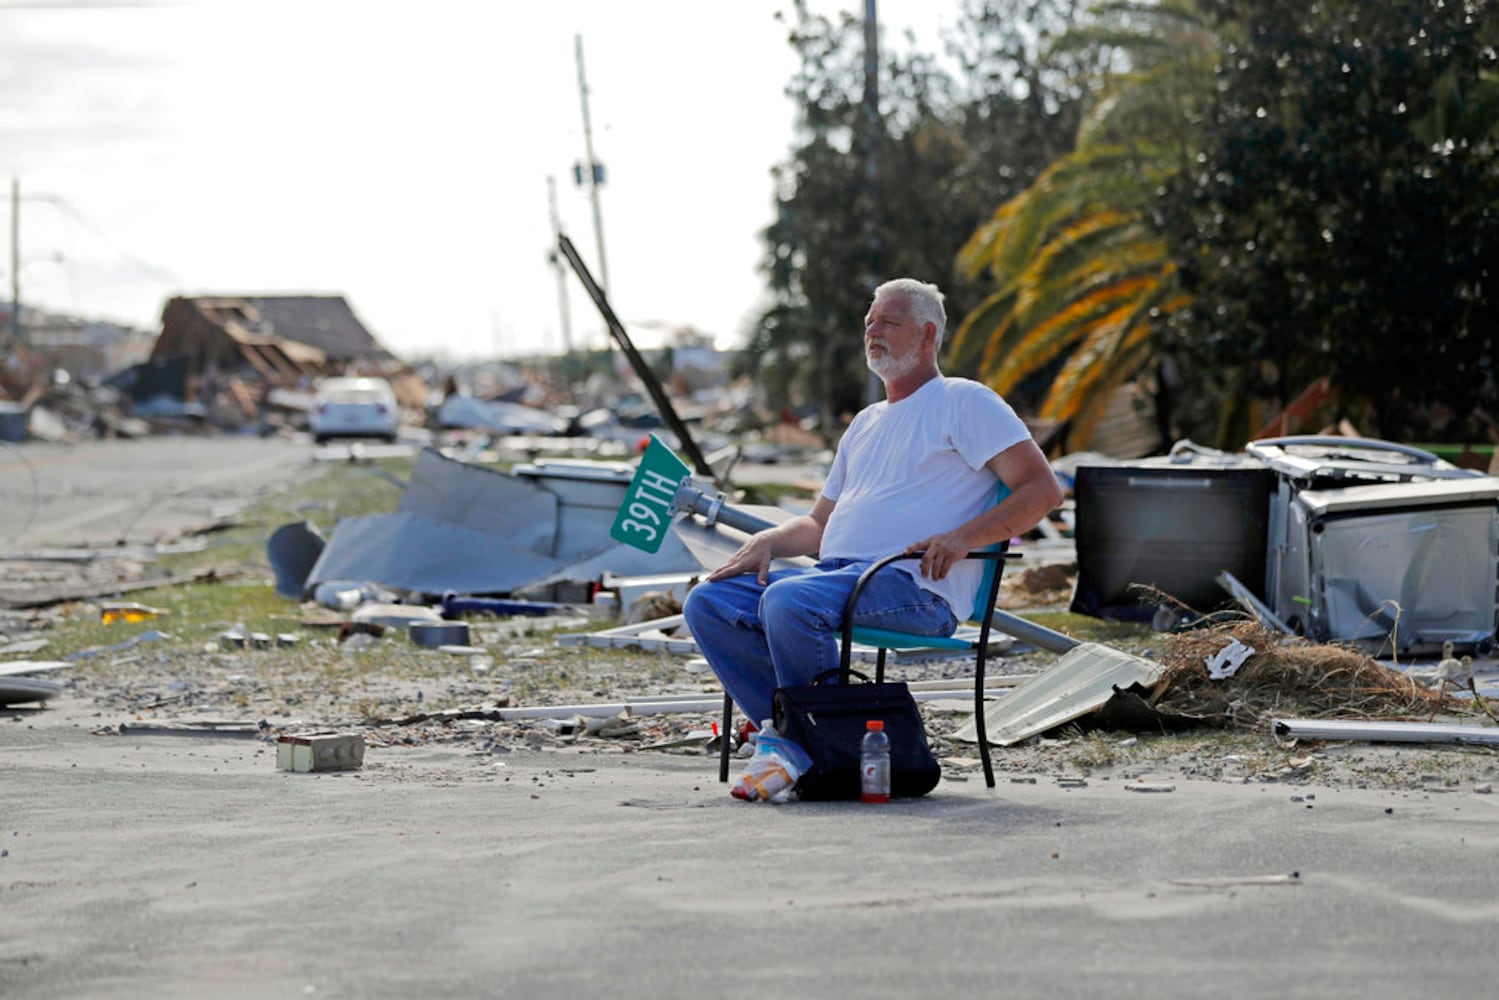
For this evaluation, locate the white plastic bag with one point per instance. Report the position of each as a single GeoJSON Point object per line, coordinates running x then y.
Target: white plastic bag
{"type": "Point", "coordinates": [771, 774]}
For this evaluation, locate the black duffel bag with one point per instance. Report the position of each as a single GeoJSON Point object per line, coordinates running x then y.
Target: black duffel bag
{"type": "Point", "coordinates": [828, 721]}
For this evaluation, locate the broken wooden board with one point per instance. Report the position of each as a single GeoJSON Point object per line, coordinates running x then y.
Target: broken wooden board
{"type": "Point", "coordinates": [13, 668]}
{"type": "Point", "coordinates": [648, 635]}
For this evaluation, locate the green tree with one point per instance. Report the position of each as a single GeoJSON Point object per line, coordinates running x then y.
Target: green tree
{"type": "Point", "coordinates": [1343, 219]}
{"type": "Point", "coordinates": [1083, 279]}
{"type": "Point", "coordinates": [947, 145]}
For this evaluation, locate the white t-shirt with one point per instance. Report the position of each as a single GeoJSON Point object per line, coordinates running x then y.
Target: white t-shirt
{"type": "Point", "coordinates": [908, 470]}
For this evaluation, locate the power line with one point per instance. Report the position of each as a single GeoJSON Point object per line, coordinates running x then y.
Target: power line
{"type": "Point", "coordinates": [71, 210]}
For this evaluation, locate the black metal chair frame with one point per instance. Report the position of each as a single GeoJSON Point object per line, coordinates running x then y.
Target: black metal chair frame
{"type": "Point", "coordinates": [984, 615]}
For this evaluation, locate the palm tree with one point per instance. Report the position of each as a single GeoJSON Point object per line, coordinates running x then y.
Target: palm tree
{"type": "Point", "coordinates": [1080, 273]}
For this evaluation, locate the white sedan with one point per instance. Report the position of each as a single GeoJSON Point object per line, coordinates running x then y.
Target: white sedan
{"type": "Point", "coordinates": [350, 407]}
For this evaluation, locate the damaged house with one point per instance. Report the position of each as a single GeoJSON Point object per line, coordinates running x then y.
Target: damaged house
{"type": "Point", "coordinates": [235, 352]}
{"type": "Point", "coordinates": [284, 340]}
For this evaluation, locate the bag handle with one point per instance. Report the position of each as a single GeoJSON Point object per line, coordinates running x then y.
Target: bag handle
{"type": "Point", "coordinates": [837, 671]}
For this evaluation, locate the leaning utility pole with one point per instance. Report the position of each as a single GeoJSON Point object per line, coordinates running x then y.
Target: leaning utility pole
{"type": "Point", "coordinates": [594, 168]}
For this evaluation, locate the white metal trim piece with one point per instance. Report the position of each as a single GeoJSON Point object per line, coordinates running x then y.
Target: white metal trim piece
{"type": "Point", "coordinates": [1383, 732]}
{"type": "Point", "coordinates": [652, 705]}
{"type": "Point", "coordinates": [651, 636]}
{"type": "Point", "coordinates": [1392, 497]}
{"type": "Point", "coordinates": [15, 667]}
{"type": "Point", "coordinates": [1082, 681]}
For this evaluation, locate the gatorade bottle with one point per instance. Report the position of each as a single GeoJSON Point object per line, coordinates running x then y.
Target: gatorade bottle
{"type": "Point", "coordinates": [874, 763]}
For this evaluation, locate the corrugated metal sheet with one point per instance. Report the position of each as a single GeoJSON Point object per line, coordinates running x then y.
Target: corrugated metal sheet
{"type": "Point", "coordinates": [1082, 681]}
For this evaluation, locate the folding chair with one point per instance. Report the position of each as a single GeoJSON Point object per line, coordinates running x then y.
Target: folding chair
{"type": "Point", "coordinates": [885, 639]}
{"type": "Point", "coordinates": [982, 615]}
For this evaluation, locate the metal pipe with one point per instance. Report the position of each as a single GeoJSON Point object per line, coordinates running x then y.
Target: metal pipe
{"type": "Point", "coordinates": [1383, 732]}
{"type": "Point", "coordinates": [711, 704]}
{"type": "Point", "coordinates": [693, 499]}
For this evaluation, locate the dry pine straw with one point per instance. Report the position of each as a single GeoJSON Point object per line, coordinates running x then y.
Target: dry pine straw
{"type": "Point", "coordinates": [1287, 676]}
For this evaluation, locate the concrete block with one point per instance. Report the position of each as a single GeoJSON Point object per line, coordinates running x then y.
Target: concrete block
{"type": "Point", "coordinates": [320, 752]}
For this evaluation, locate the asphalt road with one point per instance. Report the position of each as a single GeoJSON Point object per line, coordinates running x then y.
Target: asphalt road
{"type": "Point", "coordinates": [189, 866]}
{"type": "Point", "coordinates": [137, 491]}
{"type": "Point", "coordinates": [181, 866]}
{"type": "Point", "coordinates": [103, 493]}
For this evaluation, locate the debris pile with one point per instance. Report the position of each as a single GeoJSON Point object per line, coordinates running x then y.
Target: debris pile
{"type": "Point", "coordinates": [1286, 675]}
{"type": "Point", "coordinates": [1337, 538]}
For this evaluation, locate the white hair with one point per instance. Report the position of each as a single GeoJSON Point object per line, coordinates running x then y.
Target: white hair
{"type": "Point", "coordinates": [924, 298]}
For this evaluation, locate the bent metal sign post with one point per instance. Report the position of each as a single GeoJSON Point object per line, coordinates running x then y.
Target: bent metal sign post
{"type": "Point", "coordinates": [645, 516]}
{"type": "Point", "coordinates": [663, 488]}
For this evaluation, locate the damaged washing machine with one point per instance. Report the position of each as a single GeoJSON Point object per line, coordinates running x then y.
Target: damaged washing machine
{"type": "Point", "coordinates": [1381, 544]}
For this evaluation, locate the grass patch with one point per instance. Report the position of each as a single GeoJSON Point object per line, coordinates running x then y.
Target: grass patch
{"type": "Point", "coordinates": [326, 493]}
{"type": "Point", "coordinates": [243, 592]}
{"type": "Point", "coordinates": [192, 614]}
{"type": "Point", "coordinates": [1137, 635]}
{"type": "Point", "coordinates": [1095, 751]}
{"type": "Point", "coordinates": [188, 668]}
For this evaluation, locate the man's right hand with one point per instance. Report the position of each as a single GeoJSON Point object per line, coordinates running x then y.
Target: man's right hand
{"type": "Point", "coordinates": [799, 536]}
{"type": "Point", "coordinates": [753, 557]}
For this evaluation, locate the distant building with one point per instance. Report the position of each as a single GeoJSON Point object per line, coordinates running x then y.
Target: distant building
{"type": "Point", "coordinates": [85, 349]}
{"type": "Point", "coordinates": [282, 339]}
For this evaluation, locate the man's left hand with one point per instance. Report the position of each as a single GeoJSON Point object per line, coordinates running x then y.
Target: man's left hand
{"type": "Point", "coordinates": [941, 553]}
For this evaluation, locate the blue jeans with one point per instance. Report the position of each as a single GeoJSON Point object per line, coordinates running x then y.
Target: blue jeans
{"type": "Point", "coordinates": [759, 638]}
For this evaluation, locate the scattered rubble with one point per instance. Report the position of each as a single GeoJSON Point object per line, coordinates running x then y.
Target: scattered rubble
{"type": "Point", "coordinates": [534, 543]}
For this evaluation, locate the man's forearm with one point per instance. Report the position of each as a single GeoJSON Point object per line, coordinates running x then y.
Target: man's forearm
{"type": "Point", "coordinates": [1023, 509]}
{"type": "Point", "coordinates": [1018, 513]}
{"type": "Point", "coordinates": [800, 536]}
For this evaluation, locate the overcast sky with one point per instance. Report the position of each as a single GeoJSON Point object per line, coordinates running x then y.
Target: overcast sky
{"type": "Point", "coordinates": [398, 153]}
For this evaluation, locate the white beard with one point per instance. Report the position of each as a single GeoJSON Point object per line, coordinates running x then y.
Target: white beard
{"type": "Point", "coordinates": [887, 366]}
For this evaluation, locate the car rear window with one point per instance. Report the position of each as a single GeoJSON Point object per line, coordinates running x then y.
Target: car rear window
{"type": "Point", "coordinates": [355, 396]}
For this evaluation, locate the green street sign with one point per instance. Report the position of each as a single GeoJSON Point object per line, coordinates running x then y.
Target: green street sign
{"type": "Point", "coordinates": [645, 516]}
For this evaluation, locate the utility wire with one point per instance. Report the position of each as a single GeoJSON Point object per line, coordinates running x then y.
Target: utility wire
{"type": "Point", "coordinates": [72, 212]}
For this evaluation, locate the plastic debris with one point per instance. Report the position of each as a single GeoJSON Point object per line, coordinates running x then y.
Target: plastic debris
{"type": "Point", "coordinates": [1227, 661]}
{"type": "Point", "coordinates": [126, 611]}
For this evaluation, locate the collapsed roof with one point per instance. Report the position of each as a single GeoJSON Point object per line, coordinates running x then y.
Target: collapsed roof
{"type": "Point", "coordinates": [283, 338]}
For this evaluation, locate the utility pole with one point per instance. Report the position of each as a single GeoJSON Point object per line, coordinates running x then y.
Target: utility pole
{"type": "Point", "coordinates": [556, 261]}
{"type": "Point", "coordinates": [15, 263]}
{"type": "Point", "coordinates": [566, 366]}
{"type": "Point", "coordinates": [594, 168]}
{"type": "Point", "coordinates": [874, 388]}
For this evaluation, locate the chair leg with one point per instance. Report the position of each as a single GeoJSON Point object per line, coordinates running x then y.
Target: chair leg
{"type": "Point", "coordinates": [725, 736]}
{"type": "Point", "coordinates": [978, 717]}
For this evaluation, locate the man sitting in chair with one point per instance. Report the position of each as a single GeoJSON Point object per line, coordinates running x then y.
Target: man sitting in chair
{"type": "Point", "coordinates": [918, 471]}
